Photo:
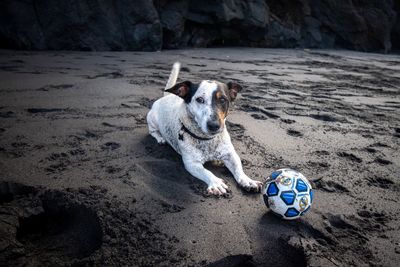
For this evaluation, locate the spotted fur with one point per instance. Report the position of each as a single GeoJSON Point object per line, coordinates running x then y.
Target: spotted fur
{"type": "Point", "coordinates": [202, 109]}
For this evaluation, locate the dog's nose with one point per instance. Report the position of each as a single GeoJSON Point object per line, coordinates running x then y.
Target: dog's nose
{"type": "Point", "coordinates": [213, 126]}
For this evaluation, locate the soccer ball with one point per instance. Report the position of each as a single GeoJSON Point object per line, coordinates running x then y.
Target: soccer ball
{"type": "Point", "coordinates": [288, 194]}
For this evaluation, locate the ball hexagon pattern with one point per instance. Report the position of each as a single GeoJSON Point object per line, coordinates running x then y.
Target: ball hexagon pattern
{"type": "Point", "coordinates": [301, 186]}
{"type": "Point", "coordinates": [288, 197]}
{"type": "Point", "coordinates": [291, 212]}
{"type": "Point", "coordinates": [288, 194]}
{"type": "Point", "coordinates": [272, 189]}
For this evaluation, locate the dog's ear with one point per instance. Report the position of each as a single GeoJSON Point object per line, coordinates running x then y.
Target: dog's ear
{"type": "Point", "coordinates": [180, 89]}
{"type": "Point", "coordinates": [233, 89]}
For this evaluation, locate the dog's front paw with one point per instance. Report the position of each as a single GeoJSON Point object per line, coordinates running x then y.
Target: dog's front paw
{"type": "Point", "coordinates": [217, 187]}
{"type": "Point", "coordinates": [251, 185]}
{"type": "Point", "coordinates": [161, 141]}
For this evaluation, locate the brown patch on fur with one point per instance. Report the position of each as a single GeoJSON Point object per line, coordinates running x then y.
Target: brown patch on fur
{"type": "Point", "coordinates": [220, 107]}
{"type": "Point", "coordinates": [221, 115]}
{"type": "Point", "coordinates": [233, 90]}
{"type": "Point", "coordinates": [185, 90]}
{"type": "Point", "coordinates": [218, 94]}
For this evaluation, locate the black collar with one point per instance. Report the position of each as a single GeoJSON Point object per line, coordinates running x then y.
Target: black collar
{"type": "Point", "coordinates": [183, 128]}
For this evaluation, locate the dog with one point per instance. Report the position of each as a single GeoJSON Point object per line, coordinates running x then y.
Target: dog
{"type": "Point", "coordinates": [191, 118]}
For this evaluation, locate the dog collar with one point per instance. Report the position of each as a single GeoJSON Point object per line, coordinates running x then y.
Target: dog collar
{"type": "Point", "coordinates": [184, 129]}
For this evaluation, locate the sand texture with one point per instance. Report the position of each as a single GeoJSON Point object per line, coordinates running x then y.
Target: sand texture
{"type": "Point", "coordinates": [82, 182]}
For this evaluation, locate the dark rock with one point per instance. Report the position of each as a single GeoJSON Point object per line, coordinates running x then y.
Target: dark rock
{"type": "Point", "coordinates": [225, 22]}
{"type": "Point", "coordinates": [172, 15]}
{"type": "Point", "coordinates": [82, 25]}
{"type": "Point", "coordinates": [366, 25]}
{"type": "Point", "coordinates": [361, 25]}
{"type": "Point", "coordinates": [395, 35]}
{"type": "Point", "coordinates": [280, 36]}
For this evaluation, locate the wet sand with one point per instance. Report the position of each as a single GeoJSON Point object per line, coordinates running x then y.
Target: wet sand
{"type": "Point", "coordinates": [82, 182]}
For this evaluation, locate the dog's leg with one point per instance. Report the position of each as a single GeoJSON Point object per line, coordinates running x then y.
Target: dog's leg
{"type": "Point", "coordinates": [216, 186]}
{"type": "Point", "coordinates": [153, 128]}
{"type": "Point", "coordinates": [234, 165]}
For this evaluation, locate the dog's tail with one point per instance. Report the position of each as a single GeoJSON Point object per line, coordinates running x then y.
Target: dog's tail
{"type": "Point", "coordinates": [173, 76]}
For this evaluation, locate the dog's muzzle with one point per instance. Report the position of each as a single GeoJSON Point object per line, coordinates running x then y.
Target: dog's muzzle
{"type": "Point", "coordinates": [213, 126]}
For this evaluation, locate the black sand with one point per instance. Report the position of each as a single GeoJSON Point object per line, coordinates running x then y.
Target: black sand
{"type": "Point", "coordinates": [82, 182]}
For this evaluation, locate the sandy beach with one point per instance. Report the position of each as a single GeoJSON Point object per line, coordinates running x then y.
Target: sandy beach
{"type": "Point", "coordinates": [82, 183]}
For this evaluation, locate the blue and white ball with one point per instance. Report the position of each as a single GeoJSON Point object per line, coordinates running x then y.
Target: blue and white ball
{"type": "Point", "coordinates": [288, 194]}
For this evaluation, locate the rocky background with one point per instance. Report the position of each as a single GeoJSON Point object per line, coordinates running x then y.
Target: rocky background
{"type": "Point", "coordinates": [365, 25]}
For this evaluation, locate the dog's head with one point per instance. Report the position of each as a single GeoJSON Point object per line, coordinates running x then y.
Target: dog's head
{"type": "Point", "coordinates": [207, 102]}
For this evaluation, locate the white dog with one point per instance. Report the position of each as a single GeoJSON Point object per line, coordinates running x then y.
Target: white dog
{"type": "Point", "coordinates": [192, 121]}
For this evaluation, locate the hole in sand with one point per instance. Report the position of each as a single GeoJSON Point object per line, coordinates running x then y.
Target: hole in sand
{"type": "Point", "coordinates": [241, 260]}
{"type": "Point", "coordinates": [9, 191]}
{"type": "Point", "coordinates": [61, 231]}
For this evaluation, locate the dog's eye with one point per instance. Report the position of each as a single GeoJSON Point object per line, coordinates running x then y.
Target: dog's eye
{"type": "Point", "coordinates": [222, 100]}
{"type": "Point", "coordinates": [200, 100]}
